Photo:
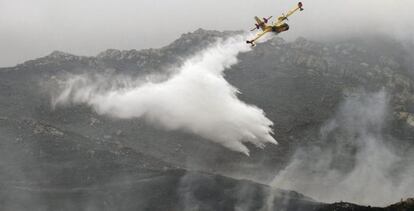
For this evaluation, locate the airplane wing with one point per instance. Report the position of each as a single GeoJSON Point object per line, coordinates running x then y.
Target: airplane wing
{"type": "Point", "coordinates": [258, 36]}
{"type": "Point", "coordinates": [260, 23]}
{"type": "Point", "coordinates": [289, 13]}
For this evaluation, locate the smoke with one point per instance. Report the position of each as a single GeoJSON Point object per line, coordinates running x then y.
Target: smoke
{"type": "Point", "coordinates": [197, 99]}
{"type": "Point", "coordinates": [353, 162]}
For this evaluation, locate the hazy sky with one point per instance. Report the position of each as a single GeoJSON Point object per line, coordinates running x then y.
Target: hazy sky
{"type": "Point", "coordinates": [33, 28]}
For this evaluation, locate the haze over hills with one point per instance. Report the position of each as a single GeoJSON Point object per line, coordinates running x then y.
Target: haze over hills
{"type": "Point", "coordinates": [342, 113]}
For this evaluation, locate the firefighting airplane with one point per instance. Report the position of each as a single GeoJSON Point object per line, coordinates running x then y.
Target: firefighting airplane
{"type": "Point", "coordinates": [276, 27]}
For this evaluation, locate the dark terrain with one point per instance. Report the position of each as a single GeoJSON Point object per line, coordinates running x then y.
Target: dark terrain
{"type": "Point", "coordinates": [71, 158]}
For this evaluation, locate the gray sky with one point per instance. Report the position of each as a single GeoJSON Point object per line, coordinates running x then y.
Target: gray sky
{"type": "Point", "coordinates": [33, 28]}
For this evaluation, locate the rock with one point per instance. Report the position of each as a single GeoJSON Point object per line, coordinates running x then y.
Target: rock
{"type": "Point", "coordinates": [109, 54]}
{"type": "Point", "coordinates": [407, 117]}
{"type": "Point", "coordinates": [389, 62]}
{"type": "Point", "coordinates": [60, 55]}
{"type": "Point", "coordinates": [118, 132]}
{"type": "Point", "coordinates": [47, 130]}
{"type": "Point", "coordinates": [93, 121]}
{"type": "Point", "coordinates": [410, 120]}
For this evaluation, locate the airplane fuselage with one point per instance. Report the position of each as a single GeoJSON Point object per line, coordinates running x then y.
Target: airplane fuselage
{"type": "Point", "coordinates": [281, 28]}
{"type": "Point", "coordinates": [276, 28]}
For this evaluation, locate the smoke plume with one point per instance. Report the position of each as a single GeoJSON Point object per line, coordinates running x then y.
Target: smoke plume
{"type": "Point", "coordinates": [353, 162]}
{"type": "Point", "coordinates": [197, 99]}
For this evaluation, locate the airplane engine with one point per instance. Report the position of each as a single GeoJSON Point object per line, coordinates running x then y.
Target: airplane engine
{"type": "Point", "coordinates": [265, 20]}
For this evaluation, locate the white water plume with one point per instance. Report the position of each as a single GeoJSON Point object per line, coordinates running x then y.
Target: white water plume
{"type": "Point", "coordinates": [197, 99]}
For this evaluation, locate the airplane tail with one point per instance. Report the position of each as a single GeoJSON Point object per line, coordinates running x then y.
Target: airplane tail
{"type": "Point", "coordinates": [300, 5]}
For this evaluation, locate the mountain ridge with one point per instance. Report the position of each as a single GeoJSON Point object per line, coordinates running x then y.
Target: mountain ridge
{"type": "Point", "coordinates": [298, 84]}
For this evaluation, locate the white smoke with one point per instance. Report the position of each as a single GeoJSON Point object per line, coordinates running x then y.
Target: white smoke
{"type": "Point", "coordinates": [197, 99]}
{"type": "Point", "coordinates": [354, 162]}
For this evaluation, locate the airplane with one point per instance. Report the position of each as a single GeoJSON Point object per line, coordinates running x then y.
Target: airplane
{"type": "Point", "coordinates": [276, 27]}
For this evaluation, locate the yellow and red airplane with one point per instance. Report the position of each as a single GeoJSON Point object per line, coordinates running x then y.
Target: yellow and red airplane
{"type": "Point", "coordinates": [276, 27]}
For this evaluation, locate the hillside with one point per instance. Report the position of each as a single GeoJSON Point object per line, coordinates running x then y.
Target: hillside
{"type": "Point", "coordinates": [69, 157]}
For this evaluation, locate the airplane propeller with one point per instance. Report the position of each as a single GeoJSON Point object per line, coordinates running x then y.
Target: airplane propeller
{"type": "Point", "coordinates": [256, 27]}
{"type": "Point", "coordinates": [265, 20]}
{"type": "Point", "coordinates": [282, 18]}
